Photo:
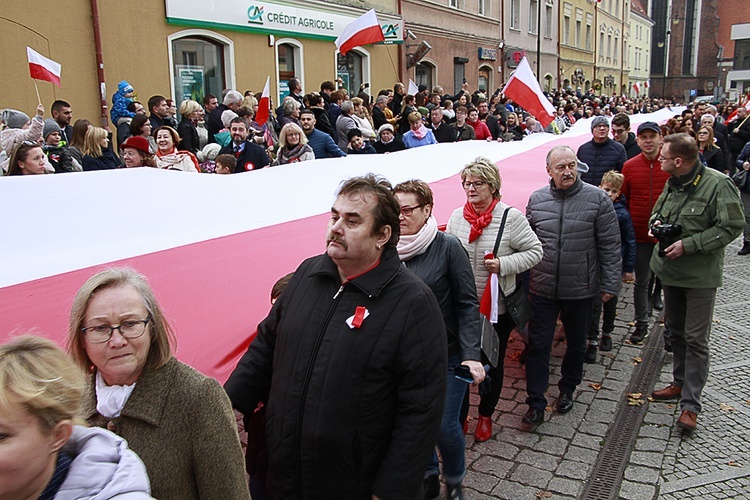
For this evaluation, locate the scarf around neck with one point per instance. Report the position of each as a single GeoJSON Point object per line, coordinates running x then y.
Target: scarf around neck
{"type": "Point", "coordinates": [111, 399]}
{"type": "Point", "coordinates": [478, 221]}
{"type": "Point", "coordinates": [416, 244]}
{"type": "Point", "coordinates": [420, 132]}
{"type": "Point", "coordinates": [287, 155]}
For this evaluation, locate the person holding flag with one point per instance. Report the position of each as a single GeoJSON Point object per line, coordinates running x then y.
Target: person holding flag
{"type": "Point", "coordinates": [524, 89]}
{"type": "Point", "coordinates": [477, 224]}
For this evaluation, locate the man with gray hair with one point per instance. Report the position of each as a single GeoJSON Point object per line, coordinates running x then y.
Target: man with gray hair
{"type": "Point", "coordinates": [378, 113]}
{"type": "Point", "coordinates": [232, 101]}
{"type": "Point", "coordinates": [576, 223]}
{"type": "Point", "coordinates": [344, 123]}
{"type": "Point", "coordinates": [295, 91]}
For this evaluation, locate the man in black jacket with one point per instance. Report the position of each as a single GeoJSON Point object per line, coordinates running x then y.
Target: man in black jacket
{"type": "Point", "coordinates": [233, 101]}
{"type": "Point", "coordinates": [601, 153]}
{"type": "Point", "coordinates": [442, 131]}
{"type": "Point", "coordinates": [622, 134]}
{"type": "Point", "coordinates": [351, 361]}
{"type": "Point", "coordinates": [484, 114]}
{"type": "Point", "coordinates": [249, 155]}
{"type": "Point", "coordinates": [739, 132]}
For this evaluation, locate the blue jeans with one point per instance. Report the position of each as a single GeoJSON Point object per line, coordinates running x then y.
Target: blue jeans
{"type": "Point", "coordinates": [451, 438]}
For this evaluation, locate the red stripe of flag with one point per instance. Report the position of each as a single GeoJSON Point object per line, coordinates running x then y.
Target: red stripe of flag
{"type": "Point", "coordinates": [362, 31]}
{"type": "Point", "coordinates": [523, 88]}
{"type": "Point", "coordinates": [41, 68]}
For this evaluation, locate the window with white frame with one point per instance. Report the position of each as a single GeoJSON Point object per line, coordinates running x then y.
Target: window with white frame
{"type": "Point", "coordinates": [615, 50]}
{"type": "Point", "coordinates": [589, 22]}
{"type": "Point", "coordinates": [579, 22]}
{"type": "Point", "coordinates": [548, 21]}
{"type": "Point", "coordinates": [454, 4]}
{"type": "Point", "coordinates": [515, 14]}
{"type": "Point", "coordinates": [533, 16]}
{"type": "Point", "coordinates": [482, 7]}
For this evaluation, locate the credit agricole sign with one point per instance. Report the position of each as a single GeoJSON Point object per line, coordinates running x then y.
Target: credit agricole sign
{"type": "Point", "coordinates": [272, 18]}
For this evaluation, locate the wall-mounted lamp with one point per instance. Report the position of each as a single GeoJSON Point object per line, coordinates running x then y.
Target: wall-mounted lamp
{"type": "Point", "coordinates": [411, 34]}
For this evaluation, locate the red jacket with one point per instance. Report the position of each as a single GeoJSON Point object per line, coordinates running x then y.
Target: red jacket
{"type": "Point", "coordinates": [644, 182]}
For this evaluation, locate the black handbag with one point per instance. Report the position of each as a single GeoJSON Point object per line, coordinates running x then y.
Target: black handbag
{"type": "Point", "coordinates": [740, 178]}
{"type": "Point", "coordinates": [517, 303]}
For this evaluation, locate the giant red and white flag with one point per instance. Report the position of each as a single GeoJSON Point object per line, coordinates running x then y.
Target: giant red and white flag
{"type": "Point", "coordinates": [362, 31]}
{"type": "Point", "coordinates": [524, 89]}
{"type": "Point", "coordinates": [42, 68]}
{"type": "Point", "coordinates": [264, 104]}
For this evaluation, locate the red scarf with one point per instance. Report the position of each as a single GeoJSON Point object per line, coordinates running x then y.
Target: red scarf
{"type": "Point", "coordinates": [478, 221]}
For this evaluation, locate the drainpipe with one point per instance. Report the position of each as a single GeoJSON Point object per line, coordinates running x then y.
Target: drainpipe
{"type": "Point", "coordinates": [400, 50]}
{"type": "Point", "coordinates": [99, 62]}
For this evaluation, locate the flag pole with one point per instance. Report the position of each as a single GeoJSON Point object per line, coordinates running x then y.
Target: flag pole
{"type": "Point", "coordinates": [36, 87]}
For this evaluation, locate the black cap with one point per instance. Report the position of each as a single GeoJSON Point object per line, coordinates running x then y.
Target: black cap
{"type": "Point", "coordinates": [649, 126]}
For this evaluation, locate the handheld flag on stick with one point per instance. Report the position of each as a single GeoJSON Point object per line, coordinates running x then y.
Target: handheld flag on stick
{"type": "Point", "coordinates": [523, 88]}
{"type": "Point", "coordinates": [264, 104]}
{"type": "Point", "coordinates": [42, 68]}
{"type": "Point", "coordinates": [362, 31]}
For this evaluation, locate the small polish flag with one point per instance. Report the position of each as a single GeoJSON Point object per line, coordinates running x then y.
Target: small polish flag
{"type": "Point", "coordinates": [745, 104]}
{"type": "Point", "coordinates": [42, 68]}
{"type": "Point", "coordinates": [636, 88]}
{"type": "Point", "coordinates": [646, 84]}
{"type": "Point", "coordinates": [362, 31]}
{"type": "Point", "coordinates": [523, 88]}
{"type": "Point", "coordinates": [264, 104]}
{"type": "Point", "coordinates": [413, 88]}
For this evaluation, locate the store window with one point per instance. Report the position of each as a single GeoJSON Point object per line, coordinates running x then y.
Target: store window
{"type": "Point", "coordinates": [425, 74]}
{"type": "Point", "coordinates": [350, 69]}
{"type": "Point", "coordinates": [288, 65]}
{"type": "Point", "coordinates": [485, 83]}
{"type": "Point", "coordinates": [198, 67]}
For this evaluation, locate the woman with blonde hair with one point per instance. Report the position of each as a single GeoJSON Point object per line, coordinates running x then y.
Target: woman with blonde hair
{"type": "Point", "coordinates": [168, 156]}
{"type": "Point", "coordinates": [713, 156]}
{"type": "Point", "coordinates": [190, 111]}
{"type": "Point", "coordinates": [44, 452]}
{"type": "Point", "coordinates": [293, 146]}
{"type": "Point", "coordinates": [477, 224]}
{"type": "Point", "coordinates": [362, 117]}
{"type": "Point", "coordinates": [179, 421]}
{"type": "Point", "coordinates": [97, 155]}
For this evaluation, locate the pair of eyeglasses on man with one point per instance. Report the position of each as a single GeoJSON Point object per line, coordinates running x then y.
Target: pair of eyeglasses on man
{"type": "Point", "coordinates": [476, 184]}
{"type": "Point", "coordinates": [130, 329]}
{"type": "Point", "coordinates": [407, 211]}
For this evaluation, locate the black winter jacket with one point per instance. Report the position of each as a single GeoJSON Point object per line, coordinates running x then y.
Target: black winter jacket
{"type": "Point", "coordinates": [601, 158]}
{"type": "Point", "coordinates": [352, 412]}
{"type": "Point", "coordinates": [188, 136]}
{"type": "Point", "coordinates": [581, 241]}
{"type": "Point", "coordinates": [631, 146]}
{"type": "Point", "coordinates": [446, 269]}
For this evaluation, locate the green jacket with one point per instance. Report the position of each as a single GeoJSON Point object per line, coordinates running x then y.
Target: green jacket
{"type": "Point", "coordinates": [711, 216]}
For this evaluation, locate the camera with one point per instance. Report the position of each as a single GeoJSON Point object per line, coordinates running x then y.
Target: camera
{"type": "Point", "coordinates": [666, 234]}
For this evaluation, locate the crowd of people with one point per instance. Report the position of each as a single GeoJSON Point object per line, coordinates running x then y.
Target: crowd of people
{"type": "Point", "coordinates": [361, 372]}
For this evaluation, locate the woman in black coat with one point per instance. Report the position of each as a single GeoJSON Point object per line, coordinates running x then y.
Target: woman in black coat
{"type": "Point", "coordinates": [187, 129]}
{"type": "Point", "coordinates": [97, 155]}
{"type": "Point", "coordinates": [713, 156]}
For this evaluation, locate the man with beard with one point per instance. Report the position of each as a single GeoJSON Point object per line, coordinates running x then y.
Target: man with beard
{"type": "Point", "coordinates": [249, 155]}
{"type": "Point", "coordinates": [484, 115]}
{"type": "Point", "coordinates": [321, 143]}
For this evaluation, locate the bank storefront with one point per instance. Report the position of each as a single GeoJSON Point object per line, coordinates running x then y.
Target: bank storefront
{"type": "Point", "coordinates": [238, 44]}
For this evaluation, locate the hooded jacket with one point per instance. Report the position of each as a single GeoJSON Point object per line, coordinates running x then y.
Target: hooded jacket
{"type": "Point", "coordinates": [581, 241]}
{"type": "Point", "coordinates": [631, 146]}
{"type": "Point", "coordinates": [352, 411]}
{"type": "Point", "coordinates": [102, 468]}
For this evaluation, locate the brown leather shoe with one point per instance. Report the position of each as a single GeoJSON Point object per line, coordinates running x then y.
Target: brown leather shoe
{"type": "Point", "coordinates": [669, 392]}
{"type": "Point", "coordinates": [688, 420]}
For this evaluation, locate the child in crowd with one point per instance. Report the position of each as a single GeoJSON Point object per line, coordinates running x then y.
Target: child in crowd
{"type": "Point", "coordinates": [57, 156]}
{"type": "Point", "coordinates": [207, 157]}
{"type": "Point", "coordinates": [612, 184]}
{"type": "Point", "coordinates": [120, 101]}
{"type": "Point", "coordinates": [225, 164]}
{"type": "Point", "coordinates": [357, 145]}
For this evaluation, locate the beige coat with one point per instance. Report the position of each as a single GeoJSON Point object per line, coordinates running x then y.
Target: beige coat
{"type": "Point", "coordinates": [519, 249]}
{"type": "Point", "coordinates": [181, 424]}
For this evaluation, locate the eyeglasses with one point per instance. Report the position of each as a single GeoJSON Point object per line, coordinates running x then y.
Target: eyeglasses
{"type": "Point", "coordinates": [477, 184]}
{"type": "Point", "coordinates": [130, 329]}
{"type": "Point", "coordinates": [407, 211]}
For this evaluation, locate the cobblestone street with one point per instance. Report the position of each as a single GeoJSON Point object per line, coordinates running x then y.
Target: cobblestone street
{"type": "Point", "coordinates": [558, 458]}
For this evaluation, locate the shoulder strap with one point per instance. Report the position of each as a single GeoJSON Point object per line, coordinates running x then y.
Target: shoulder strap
{"type": "Point", "coordinates": [500, 232]}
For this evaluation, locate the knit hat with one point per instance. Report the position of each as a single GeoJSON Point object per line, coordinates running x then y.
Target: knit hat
{"type": "Point", "coordinates": [599, 120]}
{"type": "Point", "coordinates": [385, 126]}
{"type": "Point", "coordinates": [136, 142]}
{"type": "Point", "coordinates": [649, 126]}
{"type": "Point", "coordinates": [124, 87]}
{"type": "Point", "coordinates": [14, 118]}
{"type": "Point", "coordinates": [209, 152]}
{"type": "Point", "coordinates": [50, 126]}
{"type": "Point", "coordinates": [227, 117]}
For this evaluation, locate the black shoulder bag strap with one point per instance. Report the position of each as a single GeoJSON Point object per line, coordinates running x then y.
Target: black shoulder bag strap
{"type": "Point", "coordinates": [497, 243]}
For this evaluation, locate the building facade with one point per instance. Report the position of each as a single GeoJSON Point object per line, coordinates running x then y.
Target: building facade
{"type": "Point", "coordinates": [189, 48]}
{"type": "Point", "coordinates": [523, 24]}
{"type": "Point", "coordinates": [734, 49]}
{"type": "Point", "coordinates": [639, 48]}
{"type": "Point", "coordinates": [464, 41]}
{"type": "Point", "coordinates": [577, 39]}
{"type": "Point", "coordinates": [612, 38]}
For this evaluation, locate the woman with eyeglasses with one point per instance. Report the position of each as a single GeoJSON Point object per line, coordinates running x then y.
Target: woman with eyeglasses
{"type": "Point", "coordinates": [141, 126]}
{"type": "Point", "coordinates": [440, 260]}
{"type": "Point", "coordinates": [713, 156]}
{"type": "Point", "coordinates": [293, 146]}
{"type": "Point", "coordinates": [477, 225]}
{"type": "Point", "coordinates": [177, 420]}
{"type": "Point", "coordinates": [27, 159]}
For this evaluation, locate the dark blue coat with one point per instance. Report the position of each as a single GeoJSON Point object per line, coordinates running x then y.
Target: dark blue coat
{"type": "Point", "coordinates": [601, 158]}
{"type": "Point", "coordinates": [627, 236]}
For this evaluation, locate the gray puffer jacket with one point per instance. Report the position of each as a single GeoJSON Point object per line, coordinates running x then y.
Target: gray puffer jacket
{"type": "Point", "coordinates": [581, 241]}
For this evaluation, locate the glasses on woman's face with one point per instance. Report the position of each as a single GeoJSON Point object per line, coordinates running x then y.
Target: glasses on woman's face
{"type": "Point", "coordinates": [407, 211]}
{"type": "Point", "coordinates": [130, 329]}
{"type": "Point", "coordinates": [477, 184]}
